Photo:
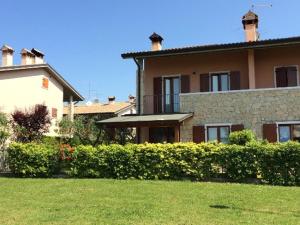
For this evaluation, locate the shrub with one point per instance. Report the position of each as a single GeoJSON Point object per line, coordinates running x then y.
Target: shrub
{"type": "Point", "coordinates": [238, 162]}
{"type": "Point", "coordinates": [144, 161]}
{"type": "Point", "coordinates": [241, 137]}
{"type": "Point", "coordinates": [4, 130]}
{"type": "Point", "coordinates": [33, 160]}
{"type": "Point", "coordinates": [31, 125]}
{"type": "Point", "coordinates": [280, 163]}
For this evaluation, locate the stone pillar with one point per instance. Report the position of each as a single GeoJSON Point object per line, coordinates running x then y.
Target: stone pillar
{"type": "Point", "coordinates": [71, 108]}
{"type": "Point", "coordinates": [251, 68]}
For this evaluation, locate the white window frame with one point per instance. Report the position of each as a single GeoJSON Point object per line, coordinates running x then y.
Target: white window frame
{"type": "Point", "coordinates": [210, 74]}
{"type": "Point", "coordinates": [215, 125]}
{"type": "Point", "coordinates": [284, 123]}
{"type": "Point", "coordinates": [274, 74]}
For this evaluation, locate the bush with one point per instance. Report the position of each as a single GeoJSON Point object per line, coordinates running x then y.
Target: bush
{"type": "Point", "coordinates": [241, 137]}
{"type": "Point", "coordinates": [280, 163]}
{"type": "Point", "coordinates": [33, 160]}
{"type": "Point", "coordinates": [277, 164]}
{"type": "Point", "coordinates": [145, 161]}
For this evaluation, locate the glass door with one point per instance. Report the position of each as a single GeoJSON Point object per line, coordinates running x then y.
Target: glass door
{"type": "Point", "coordinates": [171, 94]}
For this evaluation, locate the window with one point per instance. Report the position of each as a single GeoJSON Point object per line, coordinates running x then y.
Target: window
{"type": "Point", "coordinates": [286, 76]}
{"type": "Point", "coordinates": [289, 132]}
{"type": "Point", "coordinates": [218, 133]}
{"type": "Point", "coordinates": [171, 94]}
{"type": "Point", "coordinates": [45, 83]}
{"type": "Point", "coordinates": [220, 82]}
{"type": "Point", "coordinates": [54, 112]}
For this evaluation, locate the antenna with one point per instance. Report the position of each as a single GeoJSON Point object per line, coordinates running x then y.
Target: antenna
{"type": "Point", "coordinates": [261, 5]}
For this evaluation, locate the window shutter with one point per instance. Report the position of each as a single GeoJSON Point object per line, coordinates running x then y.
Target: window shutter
{"type": "Point", "coordinates": [235, 80]}
{"type": "Point", "coordinates": [198, 134]}
{"type": "Point", "coordinates": [204, 82]}
{"type": "Point", "coordinates": [54, 112]}
{"type": "Point", "coordinates": [281, 78]}
{"type": "Point", "coordinates": [292, 76]}
{"type": "Point", "coordinates": [185, 84]}
{"type": "Point", "coordinates": [270, 132]}
{"type": "Point", "coordinates": [157, 97]}
{"type": "Point", "coordinates": [237, 127]}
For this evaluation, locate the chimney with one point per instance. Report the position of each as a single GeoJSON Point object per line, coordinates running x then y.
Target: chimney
{"type": "Point", "coordinates": [111, 99]}
{"type": "Point", "coordinates": [131, 99]}
{"type": "Point", "coordinates": [7, 55]}
{"type": "Point", "coordinates": [250, 23]}
{"type": "Point", "coordinates": [156, 42]}
{"type": "Point", "coordinates": [38, 56]}
{"type": "Point", "coordinates": [27, 57]}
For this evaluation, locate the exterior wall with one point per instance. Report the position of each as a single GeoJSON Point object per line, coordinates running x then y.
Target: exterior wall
{"type": "Point", "coordinates": [23, 89]}
{"type": "Point", "coordinates": [194, 65]}
{"type": "Point", "coordinates": [253, 108]}
{"type": "Point", "coordinates": [267, 59]}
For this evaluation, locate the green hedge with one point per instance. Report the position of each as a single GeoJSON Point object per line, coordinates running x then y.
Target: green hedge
{"type": "Point", "coordinates": [33, 160]}
{"type": "Point", "coordinates": [277, 164]}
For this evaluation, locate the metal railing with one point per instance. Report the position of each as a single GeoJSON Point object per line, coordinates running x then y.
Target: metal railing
{"type": "Point", "coordinates": [156, 104]}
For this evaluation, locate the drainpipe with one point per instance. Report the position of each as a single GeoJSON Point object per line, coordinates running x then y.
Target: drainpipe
{"type": "Point", "coordinates": [139, 86]}
{"type": "Point", "coordinates": [138, 129]}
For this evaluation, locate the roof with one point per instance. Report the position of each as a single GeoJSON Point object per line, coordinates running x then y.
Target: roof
{"type": "Point", "coordinates": [67, 88]}
{"type": "Point", "coordinates": [144, 120]}
{"type": "Point", "coordinates": [291, 41]}
{"type": "Point", "coordinates": [98, 108]}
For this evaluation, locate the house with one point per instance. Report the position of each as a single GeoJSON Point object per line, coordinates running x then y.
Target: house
{"type": "Point", "coordinates": [34, 82]}
{"type": "Point", "coordinates": [203, 93]}
{"type": "Point", "coordinates": [104, 110]}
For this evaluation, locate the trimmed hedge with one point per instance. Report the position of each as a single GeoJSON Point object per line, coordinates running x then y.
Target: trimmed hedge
{"type": "Point", "coordinates": [33, 160]}
{"type": "Point", "coordinates": [277, 164]}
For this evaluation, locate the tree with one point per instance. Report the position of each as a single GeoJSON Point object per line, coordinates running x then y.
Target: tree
{"type": "Point", "coordinates": [4, 130]}
{"type": "Point", "coordinates": [84, 130]}
{"type": "Point", "coordinates": [31, 125]}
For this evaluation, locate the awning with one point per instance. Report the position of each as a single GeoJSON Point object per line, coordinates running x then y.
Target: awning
{"type": "Point", "coordinates": [146, 120]}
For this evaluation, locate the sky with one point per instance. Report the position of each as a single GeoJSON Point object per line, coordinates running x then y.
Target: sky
{"type": "Point", "coordinates": [84, 39]}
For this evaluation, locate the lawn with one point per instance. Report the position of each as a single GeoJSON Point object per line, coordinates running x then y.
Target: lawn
{"type": "Point", "coordinates": [82, 201]}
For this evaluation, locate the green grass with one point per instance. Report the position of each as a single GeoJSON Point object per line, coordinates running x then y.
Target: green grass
{"type": "Point", "coordinates": [71, 201]}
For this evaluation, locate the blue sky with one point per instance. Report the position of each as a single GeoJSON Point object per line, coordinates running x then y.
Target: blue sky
{"type": "Point", "coordinates": [83, 39]}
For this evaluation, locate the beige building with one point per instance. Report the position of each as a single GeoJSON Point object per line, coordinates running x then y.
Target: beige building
{"type": "Point", "coordinates": [34, 82]}
{"type": "Point", "coordinates": [203, 93]}
{"type": "Point", "coordinates": [111, 108]}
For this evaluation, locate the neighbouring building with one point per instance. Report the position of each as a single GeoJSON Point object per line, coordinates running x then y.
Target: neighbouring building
{"type": "Point", "coordinates": [100, 111]}
{"type": "Point", "coordinates": [203, 93]}
{"type": "Point", "coordinates": [34, 82]}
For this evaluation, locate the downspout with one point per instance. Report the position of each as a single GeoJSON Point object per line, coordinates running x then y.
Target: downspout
{"type": "Point", "coordinates": [138, 129]}
{"type": "Point", "coordinates": [139, 86]}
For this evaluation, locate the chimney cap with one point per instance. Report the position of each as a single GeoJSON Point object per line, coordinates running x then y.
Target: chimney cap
{"type": "Point", "coordinates": [111, 98]}
{"type": "Point", "coordinates": [37, 52]}
{"type": "Point", "coordinates": [7, 48]}
{"type": "Point", "coordinates": [25, 51]}
{"type": "Point", "coordinates": [250, 18]}
{"type": "Point", "coordinates": [156, 37]}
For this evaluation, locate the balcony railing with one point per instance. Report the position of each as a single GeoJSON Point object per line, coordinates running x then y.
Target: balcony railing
{"type": "Point", "coordinates": [155, 104]}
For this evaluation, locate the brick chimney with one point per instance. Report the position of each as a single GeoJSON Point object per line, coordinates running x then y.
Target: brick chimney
{"type": "Point", "coordinates": [27, 57]}
{"type": "Point", "coordinates": [111, 99]}
{"type": "Point", "coordinates": [250, 23]}
{"type": "Point", "coordinates": [7, 55]}
{"type": "Point", "coordinates": [38, 56]}
{"type": "Point", "coordinates": [156, 41]}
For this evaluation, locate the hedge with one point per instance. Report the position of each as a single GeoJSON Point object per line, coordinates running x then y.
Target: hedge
{"type": "Point", "coordinates": [277, 164]}
{"type": "Point", "coordinates": [33, 160]}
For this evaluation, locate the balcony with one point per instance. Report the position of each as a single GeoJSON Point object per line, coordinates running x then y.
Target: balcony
{"type": "Point", "coordinates": [158, 104]}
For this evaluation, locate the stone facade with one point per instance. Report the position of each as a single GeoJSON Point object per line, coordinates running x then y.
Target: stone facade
{"type": "Point", "coordinates": [253, 108]}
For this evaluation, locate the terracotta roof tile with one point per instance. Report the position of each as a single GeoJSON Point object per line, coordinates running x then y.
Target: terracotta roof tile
{"type": "Point", "coordinates": [100, 108]}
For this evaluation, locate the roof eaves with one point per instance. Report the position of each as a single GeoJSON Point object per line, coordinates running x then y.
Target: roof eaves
{"type": "Point", "coordinates": [215, 48]}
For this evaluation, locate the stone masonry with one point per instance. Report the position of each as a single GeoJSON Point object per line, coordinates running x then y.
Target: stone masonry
{"type": "Point", "coordinates": [253, 108]}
